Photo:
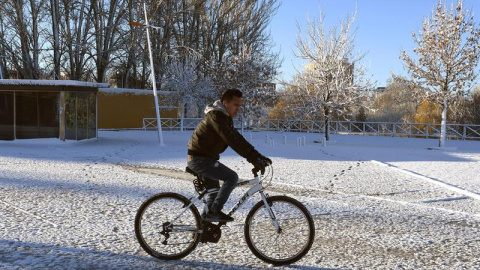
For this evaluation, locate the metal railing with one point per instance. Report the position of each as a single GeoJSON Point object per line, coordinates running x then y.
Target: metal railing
{"type": "Point", "coordinates": [420, 130]}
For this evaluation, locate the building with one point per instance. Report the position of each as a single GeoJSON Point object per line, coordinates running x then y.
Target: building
{"type": "Point", "coordinates": [120, 108]}
{"type": "Point", "coordinates": [48, 109]}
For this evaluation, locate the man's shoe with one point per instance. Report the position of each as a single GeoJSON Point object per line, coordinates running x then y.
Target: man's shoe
{"type": "Point", "coordinates": [218, 217]}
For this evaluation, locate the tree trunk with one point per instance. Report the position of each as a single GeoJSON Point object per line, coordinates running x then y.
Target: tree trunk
{"type": "Point", "coordinates": [327, 124]}
{"type": "Point", "coordinates": [182, 116]}
{"type": "Point", "coordinates": [62, 116]}
{"type": "Point", "coordinates": [443, 132]}
{"type": "Point", "coordinates": [56, 39]}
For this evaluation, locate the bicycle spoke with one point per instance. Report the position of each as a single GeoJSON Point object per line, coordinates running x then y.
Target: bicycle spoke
{"type": "Point", "coordinates": [294, 238]}
{"type": "Point", "coordinates": [160, 238]}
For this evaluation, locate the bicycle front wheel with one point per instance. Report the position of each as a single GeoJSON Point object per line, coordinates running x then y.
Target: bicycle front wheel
{"type": "Point", "coordinates": [284, 246]}
{"type": "Point", "coordinates": [157, 231]}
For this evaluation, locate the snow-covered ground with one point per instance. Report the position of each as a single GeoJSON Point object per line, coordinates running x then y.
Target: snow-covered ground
{"type": "Point", "coordinates": [378, 202]}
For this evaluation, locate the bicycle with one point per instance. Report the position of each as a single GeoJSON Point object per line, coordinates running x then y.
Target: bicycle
{"type": "Point", "coordinates": [278, 229]}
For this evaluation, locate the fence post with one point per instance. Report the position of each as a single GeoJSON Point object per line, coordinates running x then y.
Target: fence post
{"type": "Point", "coordinates": [241, 123]}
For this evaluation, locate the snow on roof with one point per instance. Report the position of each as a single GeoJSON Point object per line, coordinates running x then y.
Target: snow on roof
{"type": "Point", "coordinates": [52, 83]}
{"type": "Point", "coordinates": [132, 91]}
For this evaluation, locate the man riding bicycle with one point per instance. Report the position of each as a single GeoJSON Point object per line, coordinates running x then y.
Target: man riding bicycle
{"type": "Point", "coordinates": [212, 136]}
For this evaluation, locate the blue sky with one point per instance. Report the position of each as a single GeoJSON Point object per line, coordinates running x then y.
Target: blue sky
{"type": "Point", "coordinates": [384, 27]}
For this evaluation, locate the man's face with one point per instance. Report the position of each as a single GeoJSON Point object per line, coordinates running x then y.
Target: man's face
{"type": "Point", "coordinates": [233, 107]}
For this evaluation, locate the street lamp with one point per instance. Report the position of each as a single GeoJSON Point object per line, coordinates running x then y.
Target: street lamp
{"type": "Point", "coordinates": [157, 110]}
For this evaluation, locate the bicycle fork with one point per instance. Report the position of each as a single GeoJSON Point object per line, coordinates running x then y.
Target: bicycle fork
{"type": "Point", "coordinates": [270, 212]}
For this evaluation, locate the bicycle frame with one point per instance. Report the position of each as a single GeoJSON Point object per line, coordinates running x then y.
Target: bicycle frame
{"type": "Point", "coordinates": [257, 187]}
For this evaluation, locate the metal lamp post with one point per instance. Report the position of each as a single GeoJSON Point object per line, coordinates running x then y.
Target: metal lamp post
{"type": "Point", "coordinates": [157, 110]}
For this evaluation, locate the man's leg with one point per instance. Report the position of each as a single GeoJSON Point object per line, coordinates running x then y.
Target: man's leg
{"type": "Point", "coordinates": [215, 170]}
{"type": "Point", "coordinates": [210, 183]}
{"type": "Point", "coordinates": [230, 180]}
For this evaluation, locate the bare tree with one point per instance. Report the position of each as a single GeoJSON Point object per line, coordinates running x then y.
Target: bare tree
{"type": "Point", "coordinates": [130, 68]}
{"type": "Point", "coordinates": [55, 14]}
{"type": "Point", "coordinates": [108, 18]}
{"type": "Point", "coordinates": [448, 52]}
{"type": "Point", "coordinates": [3, 62]}
{"type": "Point", "coordinates": [92, 40]}
{"type": "Point", "coordinates": [333, 79]}
{"type": "Point", "coordinates": [75, 38]}
{"type": "Point", "coordinates": [21, 36]}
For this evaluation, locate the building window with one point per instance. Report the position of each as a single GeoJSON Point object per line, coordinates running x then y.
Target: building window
{"type": "Point", "coordinates": [36, 115]}
{"type": "Point", "coordinates": [80, 115]}
{"type": "Point", "coordinates": [6, 115]}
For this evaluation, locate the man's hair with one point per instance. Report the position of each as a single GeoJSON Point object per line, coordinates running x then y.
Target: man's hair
{"type": "Point", "coordinates": [230, 93]}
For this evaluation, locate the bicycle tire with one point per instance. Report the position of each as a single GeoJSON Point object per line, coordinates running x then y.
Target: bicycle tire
{"type": "Point", "coordinates": [259, 227]}
{"type": "Point", "coordinates": [149, 221]}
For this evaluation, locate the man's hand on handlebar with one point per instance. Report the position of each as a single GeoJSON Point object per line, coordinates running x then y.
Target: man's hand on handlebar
{"type": "Point", "coordinates": [266, 160]}
{"type": "Point", "coordinates": [261, 163]}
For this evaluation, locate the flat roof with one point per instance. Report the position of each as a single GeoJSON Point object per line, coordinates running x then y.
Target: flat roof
{"type": "Point", "coordinates": [49, 85]}
{"type": "Point", "coordinates": [133, 91]}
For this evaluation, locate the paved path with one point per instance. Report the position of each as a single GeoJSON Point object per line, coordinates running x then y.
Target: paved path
{"type": "Point", "coordinates": [81, 217]}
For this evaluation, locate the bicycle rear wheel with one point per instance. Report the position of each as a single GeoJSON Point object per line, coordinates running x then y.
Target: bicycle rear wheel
{"type": "Point", "coordinates": [156, 233]}
{"type": "Point", "coordinates": [294, 239]}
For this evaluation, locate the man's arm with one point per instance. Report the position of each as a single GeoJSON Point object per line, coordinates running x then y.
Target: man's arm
{"type": "Point", "coordinates": [231, 136]}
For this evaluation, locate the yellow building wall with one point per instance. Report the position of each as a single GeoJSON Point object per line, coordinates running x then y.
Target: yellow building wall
{"type": "Point", "coordinates": [127, 110]}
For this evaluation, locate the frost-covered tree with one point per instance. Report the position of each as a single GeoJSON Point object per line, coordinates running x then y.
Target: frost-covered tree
{"type": "Point", "coordinates": [289, 105]}
{"type": "Point", "coordinates": [190, 87]}
{"type": "Point", "coordinates": [333, 80]}
{"type": "Point", "coordinates": [218, 30]}
{"type": "Point", "coordinates": [465, 110]}
{"type": "Point", "coordinates": [475, 107]}
{"type": "Point", "coordinates": [398, 103]}
{"type": "Point", "coordinates": [253, 74]}
{"type": "Point", "coordinates": [448, 52]}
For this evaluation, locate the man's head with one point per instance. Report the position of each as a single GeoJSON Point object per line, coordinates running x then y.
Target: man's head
{"type": "Point", "coordinates": [232, 100]}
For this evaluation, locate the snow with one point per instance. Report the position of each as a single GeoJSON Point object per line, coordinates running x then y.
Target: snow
{"type": "Point", "coordinates": [376, 201]}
